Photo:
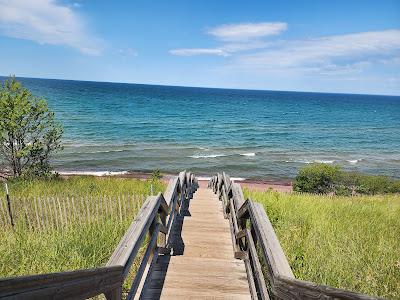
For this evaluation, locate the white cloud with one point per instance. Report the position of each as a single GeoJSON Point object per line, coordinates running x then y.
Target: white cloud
{"type": "Point", "coordinates": [247, 31]}
{"type": "Point", "coordinates": [225, 50]}
{"type": "Point", "coordinates": [326, 53]}
{"type": "Point", "coordinates": [46, 22]}
{"type": "Point", "coordinates": [199, 51]}
{"type": "Point", "coordinates": [237, 38]}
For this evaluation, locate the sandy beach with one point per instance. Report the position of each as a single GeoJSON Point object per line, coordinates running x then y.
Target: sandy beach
{"type": "Point", "coordinates": [280, 186]}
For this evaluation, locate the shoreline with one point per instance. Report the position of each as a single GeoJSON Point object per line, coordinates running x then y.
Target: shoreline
{"type": "Point", "coordinates": [279, 185]}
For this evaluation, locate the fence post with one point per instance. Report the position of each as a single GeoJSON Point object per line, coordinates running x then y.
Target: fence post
{"type": "Point", "coordinates": [9, 204]}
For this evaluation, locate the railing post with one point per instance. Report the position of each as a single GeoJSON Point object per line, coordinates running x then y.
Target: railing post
{"type": "Point", "coordinates": [115, 294]}
{"type": "Point", "coordinates": [163, 219]}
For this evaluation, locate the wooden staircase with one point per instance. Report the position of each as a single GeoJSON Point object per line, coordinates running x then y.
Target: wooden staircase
{"type": "Point", "coordinates": [202, 264]}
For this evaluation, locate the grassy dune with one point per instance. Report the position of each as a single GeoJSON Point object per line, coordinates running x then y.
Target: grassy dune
{"type": "Point", "coordinates": [345, 242]}
{"type": "Point", "coordinates": [81, 220]}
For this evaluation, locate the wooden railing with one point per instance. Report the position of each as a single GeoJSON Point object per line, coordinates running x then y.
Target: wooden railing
{"type": "Point", "coordinates": [254, 240]}
{"type": "Point", "coordinates": [155, 220]}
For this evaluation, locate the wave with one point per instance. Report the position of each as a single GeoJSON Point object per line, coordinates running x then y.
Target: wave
{"type": "Point", "coordinates": [322, 161]}
{"type": "Point", "coordinates": [207, 156]}
{"type": "Point", "coordinates": [94, 173]}
{"type": "Point", "coordinates": [353, 161]}
{"type": "Point", "coordinates": [102, 151]}
{"type": "Point", "coordinates": [248, 154]}
{"type": "Point", "coordinates": [306, 161]}
{"type": "Point", "coordinates": [203, 148]}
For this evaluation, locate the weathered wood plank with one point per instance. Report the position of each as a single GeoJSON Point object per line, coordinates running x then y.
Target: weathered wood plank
{"type": "Point", "coordinates": [163, 204]}
{"type": "Point", "coordinates": [171, 190]}
{"type": "Point", "coordinates": [250, 279]}
{"type": "Point", "coordinates": [149, 250]}
{"type": "Point", "coordinates": [182, 179]}
{"type": "Point", "coordinates": [237, 195]}
{"type": "Point", "coordinates": [257, 270]}
{"type": "Point", "coordinates": [290, 288]}
{"type": "Point", "coordinates": [129, 245]}
{"type": "Point", "coordinates": [219, 183]}
{"type": "Point", "coordinates": [267, 239]}
{"type": "Point", "coordinates": [227, 184]}
{"type": "Point", "coordinates": [243, 211]}
{"type": "Point", "coordinates": [80, 284]}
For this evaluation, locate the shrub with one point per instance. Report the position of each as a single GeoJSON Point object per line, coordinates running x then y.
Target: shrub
{"type": "Point", "coordinates": [371, 185]}
{"type": "Point", "coordinates": [29, 134]}
{"type": "Point", "coordinates": [323, 179]}
{"type": "Point", "coordinates": [317, 178]}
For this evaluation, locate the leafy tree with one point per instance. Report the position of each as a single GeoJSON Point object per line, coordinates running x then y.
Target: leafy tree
{"type": "Point", "coordinates": [29, 135]}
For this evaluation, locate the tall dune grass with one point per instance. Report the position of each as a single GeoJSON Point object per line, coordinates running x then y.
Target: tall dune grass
{"type": "Point", "coordinates": [345, 242]}
{"type": "Point", "coordinates": [67, 224]}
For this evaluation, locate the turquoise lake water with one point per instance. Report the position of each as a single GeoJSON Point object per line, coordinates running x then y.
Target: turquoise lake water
{"type": "Point", "coordinates": [250, 134]}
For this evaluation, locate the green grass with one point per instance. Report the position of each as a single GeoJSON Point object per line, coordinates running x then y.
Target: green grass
{"type": "Point", "coordinates": [81, 220]}
{"type": "Point", "coordinates": [82, 186]}
{"type": "Point", "coordinates": [345, 242]}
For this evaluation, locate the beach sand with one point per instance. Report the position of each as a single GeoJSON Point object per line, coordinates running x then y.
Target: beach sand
{"type": "Point", "coordinates": [280, 186]}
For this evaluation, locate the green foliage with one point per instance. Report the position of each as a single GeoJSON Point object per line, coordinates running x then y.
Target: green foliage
{"type": "Point", "coordinates": [323, 179]}
{"type": "Point", "coordinates": [317, 178]}
{"type": "Point", "coordinates": [372, 185]}
{"type": "Point", "coordinates": [345, 242]}
{"type": "Point", "coordinates": [29, 135]}
{"type": "Point", "coordinates": [156, 175]}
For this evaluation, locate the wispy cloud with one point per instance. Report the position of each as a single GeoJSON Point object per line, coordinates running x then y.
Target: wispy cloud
{"type": "Point", "coordinates": [236, 38]}
{"type": "Point", "coordinates": [329, 53]}
{"type": "Point", "coordinates": [128, 52]}
{"type": "Point", "coordinates": [199, 51]}
{"type": "Point", "coordinates": [46, 22]}
{"type": "Point", "coordinates": [246, 31]}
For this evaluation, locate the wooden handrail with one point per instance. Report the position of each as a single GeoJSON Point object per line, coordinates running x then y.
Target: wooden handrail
{"type": "Point", "coordinates": [130, 244]}
{"type": "Point", "coordinates": [156, 217]}
{"type": "Point", "coordinates": [80, 284]}
{"type": "Point", "coordinates": [261, 235]}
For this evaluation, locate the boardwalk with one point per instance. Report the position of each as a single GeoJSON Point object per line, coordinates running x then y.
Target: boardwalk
{"type": "Point", "coordinates": [203, 264]}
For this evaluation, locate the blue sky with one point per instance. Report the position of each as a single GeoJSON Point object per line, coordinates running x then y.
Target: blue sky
{"type": "Point", "coordinates": [327, 46]}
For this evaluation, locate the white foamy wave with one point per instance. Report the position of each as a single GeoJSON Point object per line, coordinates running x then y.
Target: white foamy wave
{"type": "Point", "coordinates": [94, 173]}
{"type": "Point", "coordinates": [203, 148]}
{"type": "Point", "coordinates": [322, 161]}
{"type": "Point", "coordinates": [207, 156]}
{"type": "Point", "coordinates": [353, 161]}
{"type": "Point", "coordinates": [248, 154]}
{"type": "Point", "coordinates": [238, 178]}
{"type": "Point", "coordinates": [104, 151]}
{"type": "Point", "coordinates": [307, 161]}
